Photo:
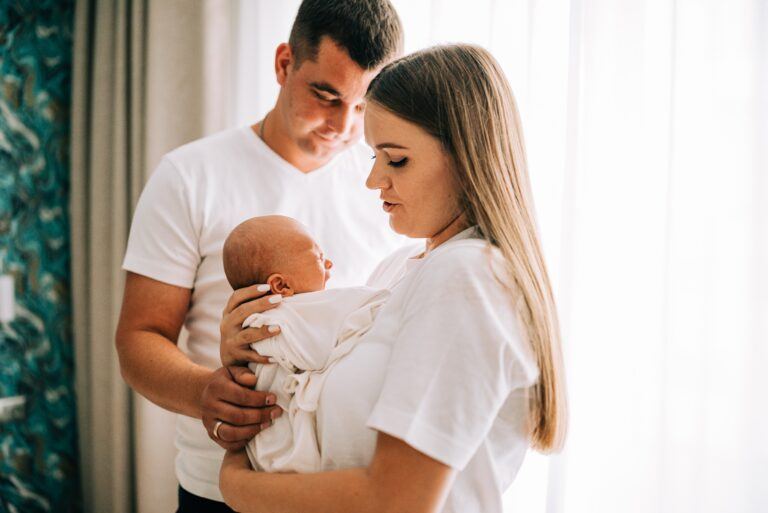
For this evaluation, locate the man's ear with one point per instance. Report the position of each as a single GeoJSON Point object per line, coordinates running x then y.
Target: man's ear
{"type": "Point", "coordinates": [283, 62]}
{"type": "Point", "coordinates": [279, 284]}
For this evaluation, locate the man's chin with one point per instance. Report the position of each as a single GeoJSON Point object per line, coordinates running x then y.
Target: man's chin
{"type": "Point", "coordinates": [320, 151]}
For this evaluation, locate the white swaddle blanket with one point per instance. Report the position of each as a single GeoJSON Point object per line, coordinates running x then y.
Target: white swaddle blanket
{"type": "Point", "coordinates": [316, 330]}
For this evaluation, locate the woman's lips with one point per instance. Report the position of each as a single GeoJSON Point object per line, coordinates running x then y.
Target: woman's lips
{"type": "Point", "coordinates": [389, 207]}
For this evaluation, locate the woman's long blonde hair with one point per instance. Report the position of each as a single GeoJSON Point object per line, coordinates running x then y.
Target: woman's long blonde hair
{"type": "Point", "coordinates": [459, 94]}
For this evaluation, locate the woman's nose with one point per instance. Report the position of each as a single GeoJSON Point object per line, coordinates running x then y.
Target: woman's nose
{"type": "Point", "coordinates": [375, 179]}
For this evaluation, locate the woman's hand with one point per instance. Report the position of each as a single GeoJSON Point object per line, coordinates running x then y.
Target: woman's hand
{"type": "Point", "coordinates": [235, 341]}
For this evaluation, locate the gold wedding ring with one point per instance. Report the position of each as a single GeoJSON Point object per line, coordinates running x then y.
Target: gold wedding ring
{"type": "Point", "coordinates": [216, 429]}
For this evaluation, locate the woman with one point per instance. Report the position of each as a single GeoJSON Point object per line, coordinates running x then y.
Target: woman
{"type": "Point", "coordinates": [461, 371]}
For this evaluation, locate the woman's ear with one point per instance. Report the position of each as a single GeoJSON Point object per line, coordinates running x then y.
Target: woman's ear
{"type": "Point", "coordinates": [279, 284]}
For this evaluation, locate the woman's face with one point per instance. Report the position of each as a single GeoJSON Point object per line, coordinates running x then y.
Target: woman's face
{"type": "Point", "coordinates": [413, 173]}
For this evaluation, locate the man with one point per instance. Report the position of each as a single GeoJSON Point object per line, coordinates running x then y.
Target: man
{"type": "Point", "coordinates": [301, 160]}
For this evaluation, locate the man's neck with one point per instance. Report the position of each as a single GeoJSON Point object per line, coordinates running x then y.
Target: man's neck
{"type": "Point", "coordinates": [270, 131]}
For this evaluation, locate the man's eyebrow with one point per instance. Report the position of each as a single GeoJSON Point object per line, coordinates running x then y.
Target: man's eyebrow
{"type": "Point", "coordinates": [325, 87]}
{"type": "Point", "coordinates": [390, 145]}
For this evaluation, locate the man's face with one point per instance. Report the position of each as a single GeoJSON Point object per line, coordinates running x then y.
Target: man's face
{"type": "Point", "coordinates": [322, 101]}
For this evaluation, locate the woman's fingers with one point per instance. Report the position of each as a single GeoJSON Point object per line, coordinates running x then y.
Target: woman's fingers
{"type": "Point", "coordinates": [262, 304]}
{"type": "Point", "coordinates": [235, 341]}
{"type": "Point", "coordinates": [248, 336]}
{"type": "Point", "coordinates": [232, 322]}
{"type": "Point", "coordinates": [237, 350]}
{"type": "Point", "coordinates": [240, 296]}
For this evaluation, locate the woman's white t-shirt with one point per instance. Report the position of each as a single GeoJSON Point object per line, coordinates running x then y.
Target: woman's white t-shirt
{"type": "Point", "coordinates": [445, 368]}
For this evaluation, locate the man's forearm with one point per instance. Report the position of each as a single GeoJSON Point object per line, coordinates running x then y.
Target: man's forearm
{"type": "Point", "coordinates": [156, 368]}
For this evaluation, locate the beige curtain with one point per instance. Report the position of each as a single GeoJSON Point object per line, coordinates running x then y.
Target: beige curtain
{"type": "Point", "coordinates": [148, 77]}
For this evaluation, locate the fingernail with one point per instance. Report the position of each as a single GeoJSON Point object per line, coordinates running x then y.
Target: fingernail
{"type": "Point", "coordinates": [270, 399]}
{"type": "Point", "coordinates": [273, 329]}
{"type": "Point", "coordinates": [276, 413]}
{"type": "Point", "coordinates": [271, 360]}
{"type": "Point", "coordinates": [265, 425]}
{"type": "Point", "coordinates": [275, 299]}
{"type": "Point", "coordinates": [263, 288]}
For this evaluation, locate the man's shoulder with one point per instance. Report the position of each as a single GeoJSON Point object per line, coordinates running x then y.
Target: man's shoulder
{"type": "Point", "coordinates": [209, 148]}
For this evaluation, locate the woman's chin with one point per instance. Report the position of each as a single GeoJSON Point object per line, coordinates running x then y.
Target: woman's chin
{"type": "Point", "coordinates": [400, 229]}
{"type": "Point", "coordinates": [397, 227]}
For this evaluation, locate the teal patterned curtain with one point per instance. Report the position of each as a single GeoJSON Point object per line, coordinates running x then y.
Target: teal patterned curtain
{"type": "Point", "coordinates": [38, 453]}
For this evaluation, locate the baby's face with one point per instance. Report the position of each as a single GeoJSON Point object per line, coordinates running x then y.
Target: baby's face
{"type": "Point", "coordinates": [308, 270]}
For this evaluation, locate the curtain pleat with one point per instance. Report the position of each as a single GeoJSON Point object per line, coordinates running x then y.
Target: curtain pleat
{"type": "Point", "coordinates": [107, 162]}
{"type": "Point", "coordinates": [142, 87]}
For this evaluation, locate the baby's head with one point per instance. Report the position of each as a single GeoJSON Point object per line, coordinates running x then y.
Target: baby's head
{"type": "Point", "coordinates": [278, 251]}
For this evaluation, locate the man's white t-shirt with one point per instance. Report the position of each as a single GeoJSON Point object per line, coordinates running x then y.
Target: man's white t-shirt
{"type": "Point", "coordinates": [197, 195]}
{"type": "Point", "coordinates": [445, 368]}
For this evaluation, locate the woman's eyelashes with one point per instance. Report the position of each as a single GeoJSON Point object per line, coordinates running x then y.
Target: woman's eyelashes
{"type": "Point", "coordinates": [394, 163]}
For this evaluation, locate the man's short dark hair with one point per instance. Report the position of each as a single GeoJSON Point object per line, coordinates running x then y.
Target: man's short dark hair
{"type": "Point", "coordinates": [369, 30]}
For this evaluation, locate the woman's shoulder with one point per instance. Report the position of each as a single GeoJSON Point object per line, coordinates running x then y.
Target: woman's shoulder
{"type": "Point", "coordinates": [472, 260]}
{"type": "Point", "coordinates": [462, 250]}
{"type": "Point", "coordinates": [468, 274]}
{"type": "Point", "coordinates": [462, 289]}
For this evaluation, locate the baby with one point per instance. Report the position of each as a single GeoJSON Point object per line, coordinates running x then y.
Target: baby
{"type": "Point", "coordinates": [317, 328]}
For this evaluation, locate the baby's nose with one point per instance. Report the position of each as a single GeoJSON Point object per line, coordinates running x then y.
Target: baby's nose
{"type": "Point", "coordinates": [328, 264]}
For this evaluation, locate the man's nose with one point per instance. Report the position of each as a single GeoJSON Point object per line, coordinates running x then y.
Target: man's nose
{"type": "Point", "coordinates": [342, 120]}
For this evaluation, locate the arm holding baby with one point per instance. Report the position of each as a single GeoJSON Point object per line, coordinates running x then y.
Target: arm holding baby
{"type": "Point", "coordinates": [269, 254]}
{"type": "Point", "coordinates": [315, 328]}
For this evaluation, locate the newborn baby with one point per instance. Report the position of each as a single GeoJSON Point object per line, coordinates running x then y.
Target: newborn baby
{"type": "Point", "coordinates": [317, 328]}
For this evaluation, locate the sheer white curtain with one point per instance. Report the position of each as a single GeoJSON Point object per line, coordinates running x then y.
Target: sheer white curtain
{"type": "Point", "coordinates": [646, 125]}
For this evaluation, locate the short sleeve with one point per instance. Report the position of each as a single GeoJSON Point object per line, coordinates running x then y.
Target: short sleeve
{"type": "Point", "coordinates": [163, 242]}
{"type": "Point", "coordinates": [458, 356]}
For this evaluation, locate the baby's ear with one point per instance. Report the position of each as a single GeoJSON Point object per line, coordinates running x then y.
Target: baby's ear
{"type": "Point", "coordinates": [280, 285]}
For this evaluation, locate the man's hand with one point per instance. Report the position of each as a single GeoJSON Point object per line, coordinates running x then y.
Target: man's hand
{"type": "Point", "coordinates": [229, 397]}
{"type": "Point", "coordinates": [235, 341]}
